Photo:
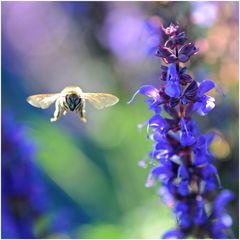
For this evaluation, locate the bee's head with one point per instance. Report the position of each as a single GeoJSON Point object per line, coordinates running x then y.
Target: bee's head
{"type": "Point", "coordinates": [72, 100]}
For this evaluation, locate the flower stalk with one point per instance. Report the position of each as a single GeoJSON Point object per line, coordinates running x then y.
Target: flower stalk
{"type": "Point", "coordinates": [180, 157]}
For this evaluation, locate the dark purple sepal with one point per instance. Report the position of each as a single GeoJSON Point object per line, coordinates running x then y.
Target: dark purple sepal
{"type": "Point", "coordinates": [191, 91]}
{"type": "Point", "coordinates": [186, 52]}
{"type": "Point", "coordinates": [167, 55]}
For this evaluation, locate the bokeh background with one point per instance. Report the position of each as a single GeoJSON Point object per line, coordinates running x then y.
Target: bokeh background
{"type": "Point", "coordinates": [73, 180]}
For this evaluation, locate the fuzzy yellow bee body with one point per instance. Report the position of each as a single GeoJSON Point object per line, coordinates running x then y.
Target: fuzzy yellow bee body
{"type": "Point", "coordinates": [72, 98]}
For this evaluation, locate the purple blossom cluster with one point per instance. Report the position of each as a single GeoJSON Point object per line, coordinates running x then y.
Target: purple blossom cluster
{"type": "Point", "coordinates": [23, 194]}
{"type": "Point", "coordinates": [180, 158]}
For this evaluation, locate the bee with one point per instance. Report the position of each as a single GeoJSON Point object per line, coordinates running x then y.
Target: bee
{"type": "Point", "coordinates": [71, 98]}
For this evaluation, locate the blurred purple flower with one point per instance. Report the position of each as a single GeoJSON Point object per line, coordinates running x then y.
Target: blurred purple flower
{"type": "Point", "coordinates": [222, 222]}
{"type": "Point", "coordinates": [173, 234]}
{"type": "Point", "coordinates": [204, 14]}
{"type": "Point", "coordinates": [23, 195]}
{"type": "Point", "coordinates": [128, 35]}
{"type": "Point", "coordinates": [182, 211]}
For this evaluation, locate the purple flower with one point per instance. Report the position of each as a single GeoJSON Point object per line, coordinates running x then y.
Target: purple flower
{"type": "Point", "coordinates": [163, 173]}
{"type": "Point", "coordinates": [221, 201]}
{"type": "Point", "coordinates": [221, 220]}
{"type": "Point", "coordinates": [158, 123]}
{"type": "Point", "coordinates": [200, 215]}
{"type": "Point", "coordinates": [173, 86]}
{"type": "Point", "coordinates": [166, 195]}
{"type": "Point", "coordinates": [187, 138]}
{"type": "Point", "coordinates": [150, 92]}
{"type": "Point", "coordinates": [23, 195]}
{"type": "Point", "coordinates": [183, 172]}
{"type": "Point", "coordinates": [182, 212]}
{"type": "Point", "coordinates": [184, 78]}
{"type": "Point", "coordinates": [205, 103]}
{"type": "Point", "coordinates": [183, 175]}
{"type": "Point", "coordinates": [173, 234]}
{"type": "Point", "coordinates": [202, 155]}
{"type": "Point", "coordinates": [154, 33]}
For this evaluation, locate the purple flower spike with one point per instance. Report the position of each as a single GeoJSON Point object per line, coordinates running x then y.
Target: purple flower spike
{"type": "Point", "coordinates": [173, 86]}
{"type": "Point", "coordinates": [180, 157]}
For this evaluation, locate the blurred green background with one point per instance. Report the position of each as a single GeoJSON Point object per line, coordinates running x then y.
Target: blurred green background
{"type": "Point", "coordinates": [90, 171]}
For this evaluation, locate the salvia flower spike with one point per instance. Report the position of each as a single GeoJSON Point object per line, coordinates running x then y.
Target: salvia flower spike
{"type": "Point", "coordinates": [180, 158]}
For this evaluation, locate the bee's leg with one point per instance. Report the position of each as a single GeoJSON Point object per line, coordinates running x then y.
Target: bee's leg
{"type": "Point", "coordinates": [65, 112]}
{"type": "Point", "coordinates": [81, 111]}
{"type": "Point", "coordinates": [82, 115]}
{"type": "Point", "coordinates": [57, 112]}
{"type": "Point", "coordinates": [64, 106]}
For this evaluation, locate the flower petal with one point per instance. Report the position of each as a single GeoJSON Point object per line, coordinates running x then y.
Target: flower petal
{"type": "Point", "coordinates": [222, 199]}
{"type": "Point", "coordinates": [158, 122]}
{"type": "Point", "coordinates": [200, 215]}
{"type": "Point", "coordinates": [208, 104]}
{"type": "Point", "coordinates": [183, 188]}
{"type": "Point", "coordinates": [182, 172]}
{"type": "Point", "coordinates": [147, 90]}
{"type": "Point", "coordinates": [172, 86]}
{"type": "Point", "coordinates": [173, 89]}
{"type": "Point", "coordinates": [187, 138]}
{"type": "Point", "coordinates": [163, 173]}
{"type": "Point", "coordinates": [205, 86]}
{"type": "Point", "coordinates": [166, 196]}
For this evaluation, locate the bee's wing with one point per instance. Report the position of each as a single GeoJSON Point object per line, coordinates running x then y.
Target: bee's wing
{"type": "Point", "coordinates": [101, 100]}
{"type": "Point", "coordinates": [42, 100]}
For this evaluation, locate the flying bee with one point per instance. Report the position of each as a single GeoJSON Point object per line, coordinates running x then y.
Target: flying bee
{"type": "Point", "coordinates": [71, 98]}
